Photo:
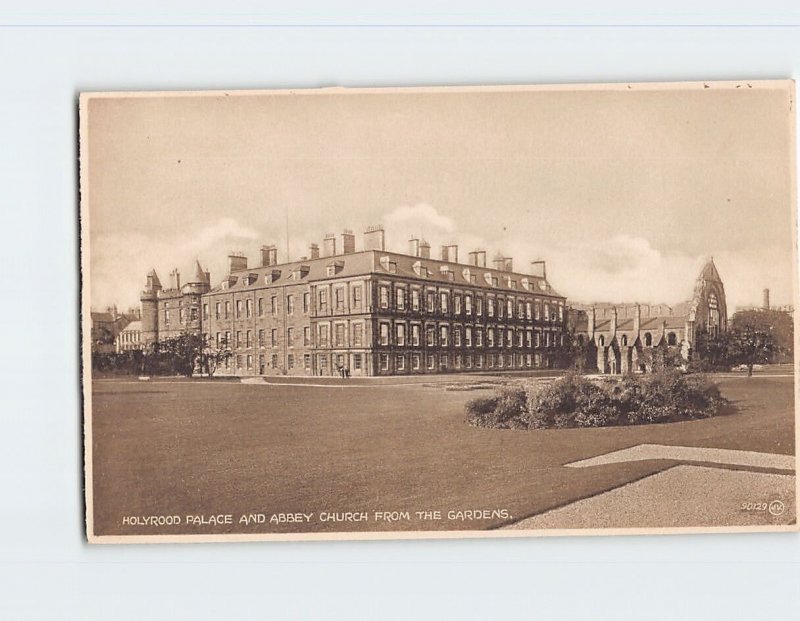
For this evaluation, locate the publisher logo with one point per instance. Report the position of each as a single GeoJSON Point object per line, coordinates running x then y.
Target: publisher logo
{"type": "Point", "coordinates": [776, 507]}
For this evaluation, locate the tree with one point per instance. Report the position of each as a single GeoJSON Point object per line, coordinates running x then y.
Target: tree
{"type": "Point", "coordinates": [778, 323]}
{"type": "Point", "coordinates": [211, 357]}
{"type": "Point", "coordinates": [744, 344]}
{"type": "Point", "coordinates": [572, 354]}
{"type": "Point", "coordinates": [750, 345]}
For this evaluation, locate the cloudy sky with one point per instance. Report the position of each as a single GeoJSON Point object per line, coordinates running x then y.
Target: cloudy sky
{"type": "Point", "coordinates": [624, 191]}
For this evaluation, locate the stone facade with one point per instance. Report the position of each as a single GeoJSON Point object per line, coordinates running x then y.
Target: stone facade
{"type": "Point", "coordinates": [372, 312]}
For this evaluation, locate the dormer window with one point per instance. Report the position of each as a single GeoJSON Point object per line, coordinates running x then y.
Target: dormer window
{"type": "Point", "coordinates": [334, 268]}
{"type": "Point", "coordinates": [446, 272]}
{"type": "Point", "coordinates": [420, 270]}
{"type": "Point", "coordinates": [300, 272]}
{"type": "Point", "coordinates": [388, 265]}
{"type": "Point", "coordinates": [272, 276]}
{"type": "Point", "coordinates": [526, 284]}
{"type": "Point", "coordinates": [468, 275]}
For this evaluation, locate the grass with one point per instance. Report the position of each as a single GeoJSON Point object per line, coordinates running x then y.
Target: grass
{"type": "Point", "coordinates": [207, 447]}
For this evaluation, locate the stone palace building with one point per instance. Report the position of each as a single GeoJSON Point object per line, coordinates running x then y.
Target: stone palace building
{"type": "Point", "coordinates": [376, 312]}
{"type": "Point", "coordinates": [373, 312]}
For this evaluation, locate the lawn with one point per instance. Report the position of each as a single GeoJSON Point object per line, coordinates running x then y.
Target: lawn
{"type": "Point", "coordinates": [172, 447]}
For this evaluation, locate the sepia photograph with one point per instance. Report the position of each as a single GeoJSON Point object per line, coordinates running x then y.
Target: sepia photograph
{"type": "Point", "coordinates": [438, 312]}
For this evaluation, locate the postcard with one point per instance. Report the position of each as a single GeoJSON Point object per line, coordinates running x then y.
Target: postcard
{"type": "Point", "coordinates": [439, 312]}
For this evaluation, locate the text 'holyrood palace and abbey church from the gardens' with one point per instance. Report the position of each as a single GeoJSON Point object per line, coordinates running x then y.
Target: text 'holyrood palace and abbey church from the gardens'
{"type": "Point", "coordinates": [377, 312]}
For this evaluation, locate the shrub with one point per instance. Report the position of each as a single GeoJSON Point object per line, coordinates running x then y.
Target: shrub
{"type": "Point", "coordinates": [502, 411]}
{"type": "Point", "coordinates": [575, 401]}
{"type": "Point", "coordinates": [480, 411]}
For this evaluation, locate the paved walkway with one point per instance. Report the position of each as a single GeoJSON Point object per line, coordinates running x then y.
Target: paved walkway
{"type": "Point", "coordinates": [691, 454]}
{"type": "Point", "coordinates": [684, 495]}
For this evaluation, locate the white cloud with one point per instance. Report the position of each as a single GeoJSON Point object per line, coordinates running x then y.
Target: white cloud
{"type": "Point", "coordinates": [422, 217]}
{"type": "Point", "coordinates": [121, 261]}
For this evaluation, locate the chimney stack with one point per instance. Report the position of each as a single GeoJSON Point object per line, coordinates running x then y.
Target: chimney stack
{"type": "Point", "coordinates": [236, 262]}
{"type": "Point", "coordinates": [413, 247]}
{"type": "Point", "coordinates": [477, 258]}
{"type": "Point", "coordinates": [539, 269]}
{"type": "Point", "coordinates": [329, 245]}
{"type": "Point", "coordinates": [765, 304]}
{"type": "Point", "coordinates": [269, 256]}
{"type": "Point", "coordinates": [313, 251]}
{"type": "Point", "coordinates": [499, 262]}
{"type": "Point", "coordinates": [348, 242]}
{"type": "Point", "coordinates": [637, 320]}
{"type": "Point", "coordinates": [450, 253]}
{"type": "Point", "coordinates": [424, 250]}
{"type": "Point", "coordinates": [374, 238]}
{"type": "Point", "coordinates": [175, 279]}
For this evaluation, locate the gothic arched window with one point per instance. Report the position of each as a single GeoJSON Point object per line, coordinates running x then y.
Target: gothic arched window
{"type": "Point", "coordinates": [713, 314]}
{"type": "Point", "coordinates": [648, 339]}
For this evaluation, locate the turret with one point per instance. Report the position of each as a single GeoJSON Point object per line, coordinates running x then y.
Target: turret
{"type": "Point", "coordinates": [149, 300]}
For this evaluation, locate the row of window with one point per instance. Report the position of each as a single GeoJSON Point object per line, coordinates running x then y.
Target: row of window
{"type": "Point", "coordinates": [244, 308]}
{"type": "Point", "coordinates": [182, 314]}
{"type": "Point", "coordinates": [672, 339]}
{"type": "Point", "coordinates": [403, 300]}
{"type": "Point", "coordinates": [401, 362]}
{"type": "Point", "coordinates": [401, 336]}
{"type": "Point", "coordinates": [244, 338]}
{"type": "Point", "coordinates": [242, 361]}
{"type": "Point", "coordinates": [469, 304]}
{"type": "Point", "coordinates": [466, 336]}
{"type": "Point", "coordinates": [442, 362]}
{"type": "Point", "coordinates": [132, 336]}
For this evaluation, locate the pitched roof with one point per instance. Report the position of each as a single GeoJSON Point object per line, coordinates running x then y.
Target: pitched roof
{"type": "Point", "coordinates": [384, 262]}
{"type": "Point", "coordinates": [710, 272]}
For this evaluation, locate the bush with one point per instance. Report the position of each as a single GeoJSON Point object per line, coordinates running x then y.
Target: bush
{"type": "Point", "coordinates": [502, 411]}
{"type": "Point", "coordinates": [480, 411]}
{"type": "Point", "coordinates": [575, 401]}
